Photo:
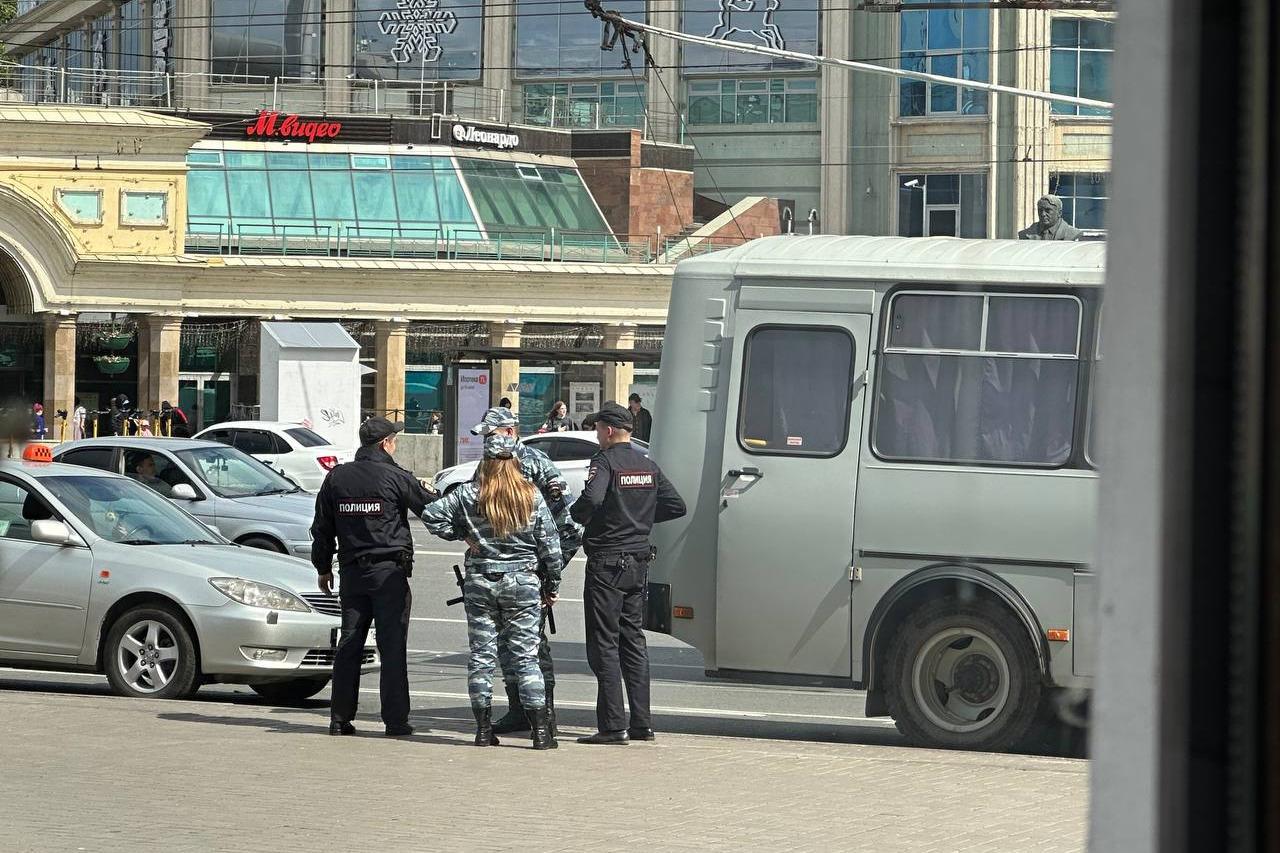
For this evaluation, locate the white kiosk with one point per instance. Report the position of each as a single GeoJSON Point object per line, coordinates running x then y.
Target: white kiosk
{"type": "Point", "coordinates": [310, 372]}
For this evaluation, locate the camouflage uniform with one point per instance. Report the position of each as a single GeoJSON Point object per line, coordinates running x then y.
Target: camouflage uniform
{"type": "Point", "coordinates": [502, 591]}
{"type": "Point", "coordinates": [538, 469]}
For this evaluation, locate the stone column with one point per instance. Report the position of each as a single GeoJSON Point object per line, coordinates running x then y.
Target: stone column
{"type": "Point", "coordinates": [389, 338]}
{"type": "Point", "coordinates": [340, 55]}
{"type": "Point", "coordinates": [160, 338]}
{"type": "Point", "coordinates": [499, 55]}
{"type": "Point", "coordinates": [190, 49]}
{"type": "Point", "coordinates": [664, 116]}
{"type": "Point", "coordinates": [836, 122]}
{"type": "Point", "coordinates": [59, 369]}
{"type": "Point", "coordinates": [618, 376]}
{"type": "Point", "coordinates": [505, 380]}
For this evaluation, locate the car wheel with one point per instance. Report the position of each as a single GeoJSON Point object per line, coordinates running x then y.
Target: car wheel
{"type": "Point", "coordinates": [150, 654]}
{"type": "Point", "coordinates": [963, 675]}
{"type": "Point", "coordinates": [262, 542]}
{"type": "Point", "coordinates": [290, 692]}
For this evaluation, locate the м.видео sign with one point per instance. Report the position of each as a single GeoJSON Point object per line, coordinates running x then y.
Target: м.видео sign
{"type": "Point", "coordinates": [270, 125]}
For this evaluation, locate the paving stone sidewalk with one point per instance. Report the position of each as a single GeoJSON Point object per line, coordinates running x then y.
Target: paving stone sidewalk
{"type": "Point", "coordinates": [95, 773]}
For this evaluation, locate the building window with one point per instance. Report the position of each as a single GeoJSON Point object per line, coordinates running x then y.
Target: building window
{"type": "Point", "coordinates": [1080, 63]}
{"type": "Point", "coordinates": [144, 208]}
{"type": "Point", "coordinates": [584, 104]}
{"type": "Point", "coordinates": [557, 40]}
{"type": "Point", "coordinates": [419, 40]}
{"type": "Point", "coordinates": [949, 42]}
{"type": "Point", "coordinates": [753, 101]}
{"type": "Point", "coordinates": [978, 378]}
{"type": "Point", "coordinates": [45, 84]}
{"type": "Point", "coordinates": [942, 205]}
{"type": "Point", "coordinates": [782, 24]}
{"type": "Point", "coordinates": [84, 207]}
{"type": "Point", "coordinates": [77, 66]}
{"type": "Point", "coordinates": [1084, 198]}
{"type": "Point", "coordinates": [256, 41]}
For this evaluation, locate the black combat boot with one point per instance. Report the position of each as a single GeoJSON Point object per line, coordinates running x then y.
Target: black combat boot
{"type": "Point", "coordinates": [515, 719]}
{"type": "Point", "coordinates": [484, 729]}
{"type": "Point", "coordinates": [551, 713]}
{"type": "Point", "coordinates": [542, 738]}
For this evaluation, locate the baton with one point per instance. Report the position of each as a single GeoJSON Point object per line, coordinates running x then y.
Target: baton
{"type": "Point", "coordinates": [457, 573]}
{"type": "Point", "coordinates": [551, 618]}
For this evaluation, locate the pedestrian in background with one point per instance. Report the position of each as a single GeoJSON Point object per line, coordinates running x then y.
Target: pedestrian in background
{"type": "Point", "coordinates": [512, 537]}
{"type": "Point", "coordinates": [504, 403]}
{"type": "Point", "coordinates": [539, 470]}
{"type": "Point", "coordinates": [641, 417]}
{"type": "Point", "coordinates": [365, 505]}
{"type": "Point", "coordinates": [558, 419]}
{"type": "Point", "coordinates": [624, 496]}
{"type": "Point", "coordinates": [118, 415]}
{"type": "Point", "coordinates": [174, 421]}
{"type": "Point", "coordinates": [79, 419]}
{"type": "Point", "coordinates": [38, 429]}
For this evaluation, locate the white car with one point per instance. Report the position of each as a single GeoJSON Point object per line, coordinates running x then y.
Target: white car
{"type": "Point", "coordinates": [299, 453]}
{"type": "Point", "coordinates": [571, 451]}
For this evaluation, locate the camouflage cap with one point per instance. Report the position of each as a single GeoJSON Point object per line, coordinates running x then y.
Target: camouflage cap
{"type": "Point", "coordinates": [498, 416]}
{"type": "Point", "coordinates": [499, 446]}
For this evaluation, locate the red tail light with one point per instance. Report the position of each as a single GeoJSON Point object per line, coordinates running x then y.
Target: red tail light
{"type": "Point", "coordinates": [328, 463]}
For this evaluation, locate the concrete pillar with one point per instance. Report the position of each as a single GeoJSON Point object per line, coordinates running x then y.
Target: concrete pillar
{"type": "Point", "coordinates": [1033, 144]}
{"type": "Point", "coordinates": [664, 116]}
{"type": "Point", "coordinates": [499, 56]}
{"type": "Point", "coordinates": [619, 376]}
{"type": "Point", "coordinates": [505, 381]}
{"type": "Point", "coordinates": [59, 368]}
{"type": "Point", "coordinates": [836, 123]}
{"type": "Point", "coordinates": [190, 49]}
{"type": "Point", "coordinates": [389, 337]}
{"type": "Point", "coordinates": [160, 338]}
{"type": "Point", "coordinates": [339, 55]}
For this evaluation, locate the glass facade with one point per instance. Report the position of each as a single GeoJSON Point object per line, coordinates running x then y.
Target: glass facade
{"type": "Point", "coordinates": [335, 195]}
{"type": "Point", "coordinates": [603, 104]}
{"type": "Point", "coordinates": [267, 39]}
{"type": "Point", "coordinates": [417, 40]}
{"type": "Point", "coordinates": [782, 24]}
{"type": "Point", "coordinates": [79, 80]}
{"type": "Point", "coordinates": [101, 57]}
{"type": "Point", "coordinates": [130, 57]}
{"type": "Point", "coordinates": [1084, 198]}
{"type": "Point", "coordinates": [1080, 63]}
{"type": "Point", "coordinates": [515, 196]}
{"type": "Point", "coordinates": [949, 42]}
{"type": "Point", "coordinates": [555, 39]}
{"type": "Point", "coordinates": [942, 205]}
{"type": "Point", "coordinates": [753, 101]}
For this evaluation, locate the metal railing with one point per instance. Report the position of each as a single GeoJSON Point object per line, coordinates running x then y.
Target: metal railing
{"type": "Point", "coordinates": [412, 240]}
{"type": "Point", "coordinates": [351, 95]}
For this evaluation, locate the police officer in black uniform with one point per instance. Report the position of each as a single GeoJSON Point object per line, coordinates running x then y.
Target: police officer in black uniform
{"type": "Point", "coordinates": [625, 494]}
{"type": "Point", "coordinates": [365, 504]}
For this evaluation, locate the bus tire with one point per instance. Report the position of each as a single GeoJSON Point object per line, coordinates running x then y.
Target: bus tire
{"type": "Point", "coordinates": [963, 675]}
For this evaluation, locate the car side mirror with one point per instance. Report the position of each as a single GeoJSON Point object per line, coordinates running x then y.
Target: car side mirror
{"type": "Point", "coordinates": [183, 492]}
{"type": "Point", "coordinates": [52, 532]}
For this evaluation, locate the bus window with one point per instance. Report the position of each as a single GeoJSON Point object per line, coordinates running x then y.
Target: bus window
{"type": "Point", "coordinates": [1011, 399]}
{"type": "Point", "coordinates": [795, 391]}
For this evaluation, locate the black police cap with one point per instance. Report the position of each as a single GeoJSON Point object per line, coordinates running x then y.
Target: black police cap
{"type": "Point", "coordinates": [376, 429]}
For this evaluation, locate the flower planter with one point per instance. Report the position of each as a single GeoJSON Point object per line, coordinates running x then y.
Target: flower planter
{"type": "Point", "coordinates": [117, 342]}
{"type": "Point", "coordinates": [112, 365]}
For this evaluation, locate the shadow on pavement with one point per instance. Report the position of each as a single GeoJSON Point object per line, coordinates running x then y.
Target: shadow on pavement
{"type": "Point", "coordinates": [365, 727]}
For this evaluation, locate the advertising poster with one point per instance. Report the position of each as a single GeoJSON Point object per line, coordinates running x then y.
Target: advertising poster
{"type": "Point", "coordinates": [584, 399]}
{"type": "Point", "coordinates": [473, 402]}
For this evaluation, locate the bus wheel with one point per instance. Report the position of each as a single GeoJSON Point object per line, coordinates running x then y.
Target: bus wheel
{"type": "Point", "coordinates": [963, 675]}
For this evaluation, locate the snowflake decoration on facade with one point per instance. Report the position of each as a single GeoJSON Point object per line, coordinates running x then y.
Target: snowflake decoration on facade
{"type": "Point", "coordinates": [417, 26]}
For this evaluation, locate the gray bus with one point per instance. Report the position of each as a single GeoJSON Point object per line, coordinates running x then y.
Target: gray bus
{"type": "Point", "coordinates": [885, 446]}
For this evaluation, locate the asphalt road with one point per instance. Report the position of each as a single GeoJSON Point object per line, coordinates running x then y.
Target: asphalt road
{"type": "Point", "coordinates": [684, 699]}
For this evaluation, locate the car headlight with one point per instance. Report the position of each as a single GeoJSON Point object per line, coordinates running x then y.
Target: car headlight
{"type": "Point", "coordinates": [254, 594]}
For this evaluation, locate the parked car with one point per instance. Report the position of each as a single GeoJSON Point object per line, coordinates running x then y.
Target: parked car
{"type": "Point", "coordinates": [100, 574]}
{"type": "Point", "coordinates": [571, 451]}
{"type": "Point", "coordinates": [301, 454]}
{"type": "Point", "coordinates": [247, 501]}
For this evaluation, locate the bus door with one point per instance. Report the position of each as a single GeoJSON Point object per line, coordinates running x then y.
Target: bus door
{"type": "Point", "coordinates": [790, 469]}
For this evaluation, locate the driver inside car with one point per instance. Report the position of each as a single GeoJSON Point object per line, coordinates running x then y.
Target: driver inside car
{"type": "Point", "coordinates": [144, 471]}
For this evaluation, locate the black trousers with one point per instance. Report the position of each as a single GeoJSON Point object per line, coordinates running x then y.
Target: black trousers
{"type": "Point", "coordinates": [614, 599]}
{"type": "Point", "coordinates": [377, 593]}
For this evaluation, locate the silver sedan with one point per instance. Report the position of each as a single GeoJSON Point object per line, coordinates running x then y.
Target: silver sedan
{"type": "Point", "coordinates": [99, 573]}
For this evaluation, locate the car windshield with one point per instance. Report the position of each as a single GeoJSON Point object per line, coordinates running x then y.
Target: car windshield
{"type": "Point", "coordinates": [127, 512]}
{"type": "Point", "coordinates": [233, 474]}
{"type": "Point", "coordinates": [306, 437]}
